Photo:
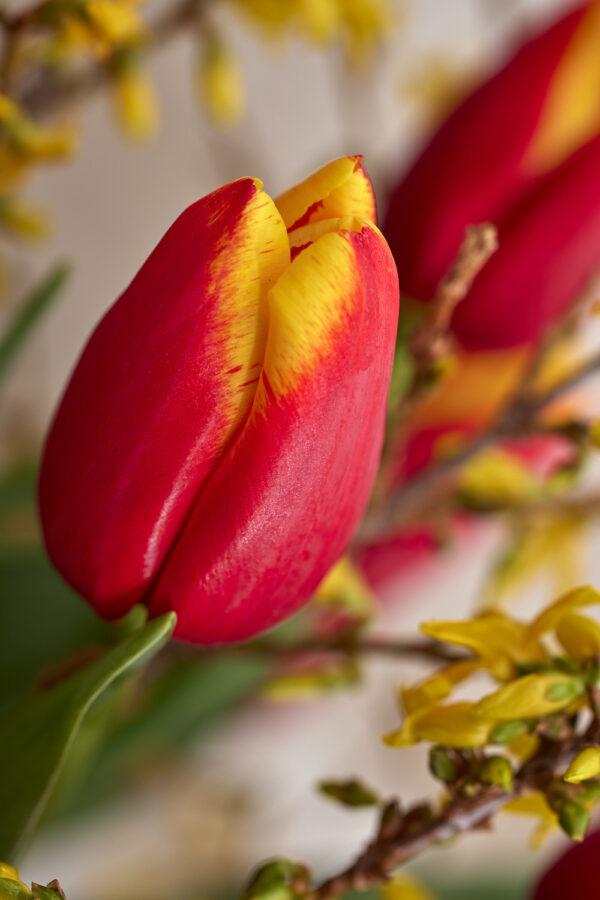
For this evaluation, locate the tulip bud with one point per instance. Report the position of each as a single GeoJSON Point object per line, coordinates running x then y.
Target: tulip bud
{"type": "Point", "coordinates": [216, 445]}
{"type": "Point", "coordinates": [523, 152]}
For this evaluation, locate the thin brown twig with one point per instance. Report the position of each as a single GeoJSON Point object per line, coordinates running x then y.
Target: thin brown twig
{"type": "Point", "coordinates": [431, 339]}
{"type": "Point", "coordinates": [354, 646]}
{"type": "Point", "coordinates": [392, 847]}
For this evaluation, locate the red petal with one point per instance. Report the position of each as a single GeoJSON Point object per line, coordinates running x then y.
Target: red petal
{"type": "Point", "coordinates": [165, 381]}
{"type": "Point", "coordinates": [283, 504]}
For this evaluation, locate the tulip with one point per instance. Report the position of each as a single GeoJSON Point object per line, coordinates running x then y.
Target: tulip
{"type": "Point", "coordinates": [218, 439]}
{"type": "Point", "coordinates": [523, 152]}
{"type": "Point", "coordinates": [574, 875]}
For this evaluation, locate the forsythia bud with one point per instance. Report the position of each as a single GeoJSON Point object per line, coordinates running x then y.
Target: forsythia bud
{"type": "Point", "coordinates": [585, 765]}
{"type": "Point", "coordinates": [497, 770]}
{"type": "Point", "coordinates": [442, 764]}
{"type": "Point", "coordinates": [573, 818]}
{"type": "Point", "coordinates": [218, 440]}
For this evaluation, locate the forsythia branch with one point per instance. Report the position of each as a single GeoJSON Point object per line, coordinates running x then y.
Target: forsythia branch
{"type": "Point", "coordinates": [49, 94]}
{"type": "Point", "coordinates": [412, 501]}
{"type": "Point", "coordinates": [402, 837]}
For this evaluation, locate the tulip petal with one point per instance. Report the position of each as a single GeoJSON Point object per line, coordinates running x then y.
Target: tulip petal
{"type": "Point", "coordinates": [473, 168]}
{"type": "Point", "coordinates": [143, 423]}
{"type": "Point", "coordinates": [549, 250]}
{"type": "Point", "coordinates": [285, 500]}
{"type": "Point", "coordinates": [341, 188]}
{"type": "Point", "coordinates": [571, 115]}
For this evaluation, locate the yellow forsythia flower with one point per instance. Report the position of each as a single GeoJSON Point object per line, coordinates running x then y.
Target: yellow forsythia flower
{"type": "Point", "coordinates": [454, 725]}
{"type": "Point", "coordinates": [523, 746]}
{"type": "Point", "coordinates": [221, 82]}
{"type": "Point", "coordinates": [579, 635]}
{"type": "Point", "coordinates": [116, 22]}
{"type": "Point", "coordinates": [531, 696]}
{"type": "Point", "coordinates": [549, 618]}
{"type": "Point", "coordinates": [438, 686]}
{"type": "Point", "coordinates": [25, 141]}
{"type": "Point", "coordinates": [319, 19]}
{"type": "Point", "coordinates": [585, 765]}
{"type": "Point", "coordinates": [497, 640]}
{"type": "Point", "coordinates": [366, 21]}
{"type": "Point", "coordinates": [534, 804]}
{"type": "Point", "coordinates": [344, 589]}
{"type": "Point", "coordinates": [136, 104]}
{"type": "Point", "coordinates": [496, 477]}
{"type": "Point", "coordinates": [20, 218]}
{"type": "Point", "coordinates": [552, 544]}
{"type": "Point", "coordinates": [306, 685]}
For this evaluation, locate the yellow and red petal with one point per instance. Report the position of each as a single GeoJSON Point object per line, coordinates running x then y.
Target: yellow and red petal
{"type": "Point", "coordinates": [165, 382]}
{"type": "Point", "coordinates": [284, 501]}
{"type": "Point", "coordinates": [341, 188]}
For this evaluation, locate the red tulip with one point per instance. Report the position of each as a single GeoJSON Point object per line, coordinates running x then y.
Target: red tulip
{"type": "Point", "coordinates": [523, 152]}
{"type": "Point", "coordinates": [217, 442]}
{"type": "Point", "coordinates": [575, 875]}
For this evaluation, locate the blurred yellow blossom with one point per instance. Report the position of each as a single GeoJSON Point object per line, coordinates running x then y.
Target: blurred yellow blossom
{"type": "Point", "coordinates": [221, 81]}
{"type": "Point", "coordinates": [97, 27]}
{"type": "Point", "coordinates": [358, 24]}
{"type": "Point", "coordinates": [579, 635]}
{"type": "Point", "coordinates": [345, 590]}
{"type": "Point", "coordinates": [546, 545]}
{"type": "Point", "coordinates": [585, 765]}
{"type": "Point", "coordinates": [20, 218]}
{"type": "Point", "coordinates": [496, 477]}
{"type": "Point", "coordinates": [136, 104]}
{"type": "Point", "coordinates": [535, 804]}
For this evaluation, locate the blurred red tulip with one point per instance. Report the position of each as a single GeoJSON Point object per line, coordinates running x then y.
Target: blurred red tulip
{"type": "Point", "coordinates": [523, 152]}
{"type": "Point", "coordinates": [217, 442]}
{"type": "Point", "coordinates": [575, 875]}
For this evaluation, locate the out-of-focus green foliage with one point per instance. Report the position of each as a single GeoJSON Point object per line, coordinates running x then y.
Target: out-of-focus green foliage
{"type": "Point", "coordinates": [39, 731]}
{"type": "Point", "coordinates": [37, 302]}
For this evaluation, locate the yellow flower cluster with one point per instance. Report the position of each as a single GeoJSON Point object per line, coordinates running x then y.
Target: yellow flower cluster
{"type": "Point", "coordinates": [359, 24]}
{"type": "Point", "coordinates": [536, 680]}
{"type": "Point", "coordinates": [23, 142]}
{"type": "Point", "coordinates": [91, 27]}
{"type": "Point", "coordinates": [545, 673]}
{"type": "Point", "coordinates": [23, 145]}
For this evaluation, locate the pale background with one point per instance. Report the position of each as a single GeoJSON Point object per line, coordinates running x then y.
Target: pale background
{"type": "Point", "coordinates": [249, 793]}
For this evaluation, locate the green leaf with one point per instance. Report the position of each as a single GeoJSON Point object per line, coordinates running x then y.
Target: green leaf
{"type": "Point", "coordinates": [350, 793]}
{"type": "Point", "coordinates": [30, 311]}
{"type": "Point", "coordinates": [37, 737]}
